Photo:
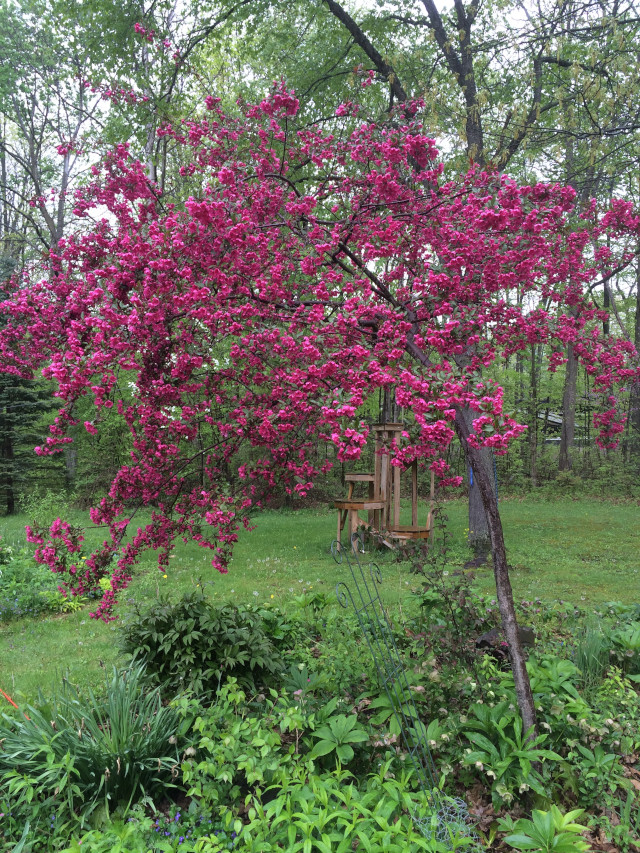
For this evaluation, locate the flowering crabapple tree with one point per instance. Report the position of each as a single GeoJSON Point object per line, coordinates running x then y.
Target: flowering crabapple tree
{"type": "Point", "coordinates": [303, 272]}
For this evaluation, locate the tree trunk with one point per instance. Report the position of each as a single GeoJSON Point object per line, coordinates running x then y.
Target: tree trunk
{"type": "Point", "coordinates": [7, 453]}
{"type": "Point", "coordinates": [478, 537]}
{"type": "Point", "coordinates": [568, 410]}
{"type": "Point", "coordinates": [533, 419]}
{"type": "Point", "coordinates": [70, 464]}
{"type": "Point", "coordinates": [485, 486]}
{"type": "Point", "coordinates": [634, 397]}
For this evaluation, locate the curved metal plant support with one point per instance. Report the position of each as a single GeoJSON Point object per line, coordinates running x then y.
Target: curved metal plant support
{"type": "Point", "coordinates": [448, 820]}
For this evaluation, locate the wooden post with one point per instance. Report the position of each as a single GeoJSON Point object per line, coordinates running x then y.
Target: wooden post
{"type": "Point", "coordinates": [378, 516]}
{"type": "Point", "coordinates": [396, 496]}
{"type": "Point", "coordinates": [432, 492]}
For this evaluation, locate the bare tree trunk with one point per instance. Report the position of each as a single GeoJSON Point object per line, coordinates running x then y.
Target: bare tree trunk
{"type": "Point", "coordinates": [634, 397]}
{"type": "Point", "coordinates": [70, 464]}
{"type": "Point", "coordinates": [7, 454]}
{"type": "Point", "coordinates": [504, 592]}
{"type": "Point", "coordinates": [568, 432]}
{"type": "Point", "coordinates": [478, 537]}
{"type": "Point", "coordinates": [533, 419]}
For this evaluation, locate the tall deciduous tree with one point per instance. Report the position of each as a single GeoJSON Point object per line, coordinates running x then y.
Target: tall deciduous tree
{"type": "Point", "coordinates": [369, 272]}
{"type": "Point", "coordinates": [47, 115]}
{"type": "Point", "coordinates": [547, 89]}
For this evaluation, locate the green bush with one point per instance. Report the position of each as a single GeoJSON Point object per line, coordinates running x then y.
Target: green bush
{"type": "Point", "coordinates": [503, 751]}
{"type": "Point", "coordinates": [42, 507]}
{"type": "Point", "coordinates": [259, 753]}
{"type": "Point", "coordinates": [27, 589]}
{"type": "Point", "coordinates": [66, 758]}
{"type": "Point", "coordinates": [238, 746]}
{"type": "Point", "coordinates": [548, 831]}
{"type": "Point", "coordinates": [194, 644]}
{"type": "Point", "coordinates": [305, 811]}
{"type": "Point", "coordinates": [626, 647]}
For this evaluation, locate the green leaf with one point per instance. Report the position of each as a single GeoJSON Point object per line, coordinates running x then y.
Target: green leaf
{"type": "Point", "coordinates": [323, 747]}
{"type": "Point", "coordinates": [345, 753]}
{"type": "Point", "coordinates": [522, 842]}
{"type": "Point", "coordinates": [483, 742]}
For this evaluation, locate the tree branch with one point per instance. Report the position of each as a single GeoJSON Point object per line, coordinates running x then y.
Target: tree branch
{"type": "Point", "coordinates": [383, 68]}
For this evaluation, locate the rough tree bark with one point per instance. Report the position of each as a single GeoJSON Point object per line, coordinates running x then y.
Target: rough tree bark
{"type": "Point", "coordinates": [634, 397]}
{"type": "Point", "coordinates": [568, 410]}
{"type": "Point", "coordinates": [533, 418]}
{"type": "Point", "coordinates": [478, 538]}
{"type": "Point", "coordinates": [485, 486]}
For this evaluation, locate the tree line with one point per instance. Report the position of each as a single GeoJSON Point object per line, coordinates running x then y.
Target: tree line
{"type": "Point", "coordinates": [544, 92]}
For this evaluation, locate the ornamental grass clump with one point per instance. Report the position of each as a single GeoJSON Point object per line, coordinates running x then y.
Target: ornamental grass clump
{"type": "Point", "coordinates": [79, 751]}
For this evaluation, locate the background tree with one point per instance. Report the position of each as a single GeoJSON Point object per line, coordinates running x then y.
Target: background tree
{"type": "Point", "coordinates": [48, 116]}
{"type": "Point", "coordinates": [543, 90]}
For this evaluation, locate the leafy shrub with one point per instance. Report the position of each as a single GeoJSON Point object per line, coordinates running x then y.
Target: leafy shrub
{"type": "Point", "coordinates": [340, 654]}
{"type": "Point", "coordinates": [505, 753]}
{"type": "Point", "coordinates": [626, 647]}
{"type": "Point", "coordinates": [599, 772]}
{"type": "Point", "coordinates": [548, 831]}
{"type": "Point", "coordinates": [618, 701]}
{"type": "Point", "coordinates": [260, 754]}
{"type": "Point", "coordinates": [244, 745]}
{"type": "Point", "coordinates": [237, 746]}
{"type": "Point", "coordinates": [337, 735]}
{"type": "Point", "coordinates": [305, 810]}
{"type": "Point", "coordinates": [27, 589]}
{"type": "Point", "coordinates": [42, 507]}
{"type": "Point", "coordinates": [193, 643]}
{"type": "Point", "coordinates": [77, 752]}
{"type": "Point", "coordinates": [302, 682]}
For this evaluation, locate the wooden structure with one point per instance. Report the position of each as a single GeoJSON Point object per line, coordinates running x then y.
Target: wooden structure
{"type": "Point", "coordinates": [382, 501]}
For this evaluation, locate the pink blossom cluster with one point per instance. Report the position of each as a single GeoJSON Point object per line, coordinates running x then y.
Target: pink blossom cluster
{"type": "Point", "coordinates": [308, 271]}
{"type": "Point", "coordinates": [148, 35]}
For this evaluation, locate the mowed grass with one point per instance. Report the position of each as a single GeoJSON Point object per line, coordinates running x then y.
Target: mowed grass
{"type": "Point", "coordinates": [582, 551]}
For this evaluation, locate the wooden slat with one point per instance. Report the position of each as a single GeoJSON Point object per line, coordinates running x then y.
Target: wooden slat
{"type": "Point", "coordinates": [358, 505]}
{"type": "Point", "coordinates": [404, 537]}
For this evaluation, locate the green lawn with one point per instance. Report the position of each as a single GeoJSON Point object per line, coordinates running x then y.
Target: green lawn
{"type": "Point", "coordinates": [583, 551]}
